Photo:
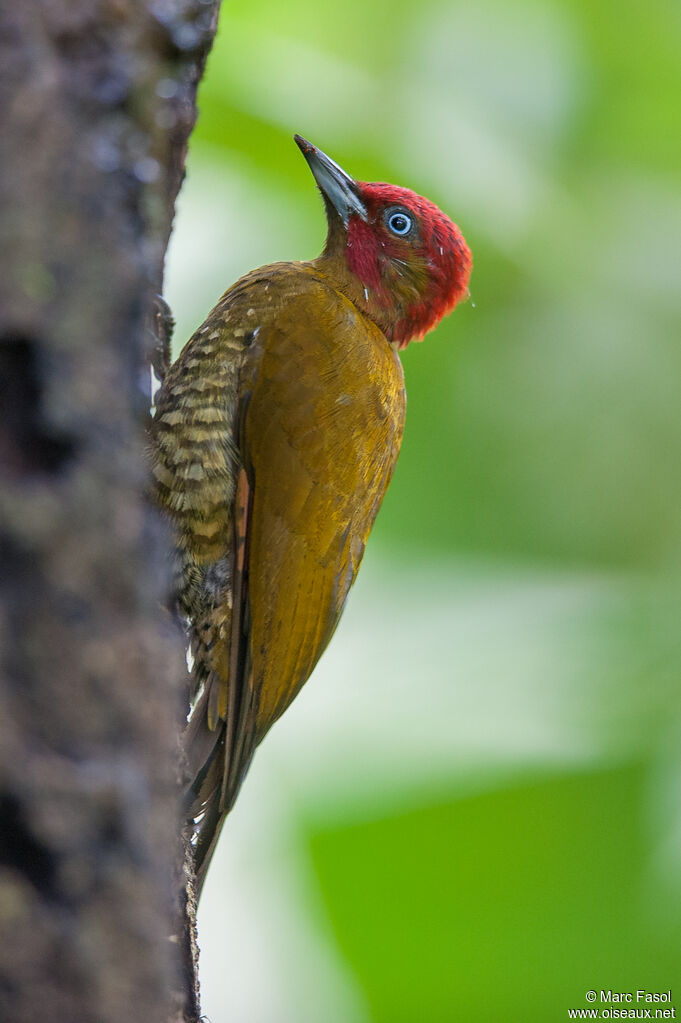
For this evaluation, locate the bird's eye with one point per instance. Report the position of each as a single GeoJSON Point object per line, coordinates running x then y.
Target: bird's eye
{"type": "Point", "coordinates": [399, 222]}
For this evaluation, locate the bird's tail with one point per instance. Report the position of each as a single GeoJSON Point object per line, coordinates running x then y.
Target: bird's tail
{"type": "Point", "coordinates": [205, 753]}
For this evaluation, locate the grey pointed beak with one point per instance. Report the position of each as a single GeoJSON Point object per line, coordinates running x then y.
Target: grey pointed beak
{"type": "Point", "coordinates": [338, 187]}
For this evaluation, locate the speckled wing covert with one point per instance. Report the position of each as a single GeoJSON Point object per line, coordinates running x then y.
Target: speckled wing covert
{"type": "Point", "coordinates": [275, 437]}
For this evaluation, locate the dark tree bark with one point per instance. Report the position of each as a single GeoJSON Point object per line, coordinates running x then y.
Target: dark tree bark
{"type": "Point", "coordinates": [96, 104]}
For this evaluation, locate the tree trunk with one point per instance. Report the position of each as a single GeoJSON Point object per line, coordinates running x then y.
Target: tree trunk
{"type": "Point", "coordinates": [97, 102]}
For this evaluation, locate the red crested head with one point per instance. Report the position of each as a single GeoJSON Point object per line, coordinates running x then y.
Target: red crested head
{"type": "Point", "coordinates": [410, 255]}
{"type": "Point", "coordinates": [408, 263]}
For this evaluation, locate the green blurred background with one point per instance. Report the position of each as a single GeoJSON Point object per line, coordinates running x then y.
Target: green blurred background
{"type": "Point", "coordinates": [473, 810]}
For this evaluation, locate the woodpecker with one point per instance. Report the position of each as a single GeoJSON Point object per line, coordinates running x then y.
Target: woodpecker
{"type": "Point", "coordinates": [274, 439]}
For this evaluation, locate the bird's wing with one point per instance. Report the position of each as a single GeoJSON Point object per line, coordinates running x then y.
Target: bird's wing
{"type": "Point", "coordinates": [321, 434]}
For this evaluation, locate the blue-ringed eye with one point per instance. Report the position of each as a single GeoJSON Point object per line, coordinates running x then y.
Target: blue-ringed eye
{"type": "Point", "coordinates": [399, 222]}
